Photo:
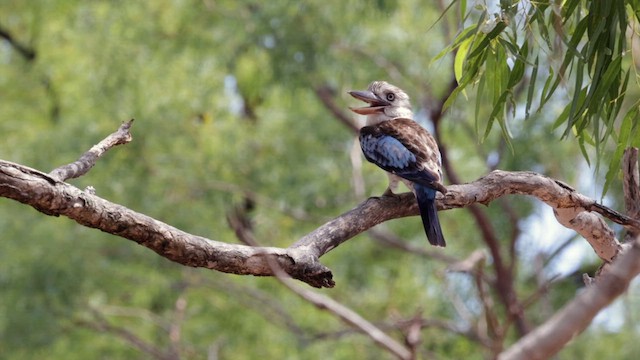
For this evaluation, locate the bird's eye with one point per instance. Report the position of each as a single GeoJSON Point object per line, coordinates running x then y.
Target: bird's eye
{"type": "Point", "coordinates": [391, 96]}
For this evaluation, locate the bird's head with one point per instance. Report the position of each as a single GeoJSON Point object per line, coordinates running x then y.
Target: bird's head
{"type": "Point", "coordinates": [386, 102]}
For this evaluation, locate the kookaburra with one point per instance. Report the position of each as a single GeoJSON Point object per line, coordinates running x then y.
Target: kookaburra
{"type": "Point", "coordinates": [392, 140]}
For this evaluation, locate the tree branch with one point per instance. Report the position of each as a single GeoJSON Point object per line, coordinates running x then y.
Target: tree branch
{"type": "Point", "coordinates": [346, 315]}
{"type": "Point", "coordinates": [53, 197]}
{"type": "Point", "coordinates": [102, 325]}
{"type": "Point", "coordinates": [547, 339]}
{"type": "Point", "coordinates": [89, 159]}
{"type": "Point", "coordinates": [327, 96]}
{"type": "Point", "coordinates": [27, 52]}
{"type": "Point", "coordinates": [631, 187]}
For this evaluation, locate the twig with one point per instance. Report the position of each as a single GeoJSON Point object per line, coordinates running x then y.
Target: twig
{"type": "Point", "coordinates": [175, 329]}
{"type": "Point", "coordinates": [631, 187]}
{"type": "Point", "coordinates": [27, 52]}
{"type": "Point", "coordinates": [265, 304]}
{"type": "Point", "coordinates": [344, 314]}
{"type": "Point", "coordinates": [101, 324]}
{"type": "Point", "coordinates": [389, 239]}
{"type": "Point", "coordinates": [89, 159]}
{"type": "Point", "coordinates": [327, 97]}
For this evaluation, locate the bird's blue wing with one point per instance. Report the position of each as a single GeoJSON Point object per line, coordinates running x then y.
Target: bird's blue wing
{"type": "Point", "coordinates": [386, 152]}
{"type": "Point", "coordinates": [390, 154]}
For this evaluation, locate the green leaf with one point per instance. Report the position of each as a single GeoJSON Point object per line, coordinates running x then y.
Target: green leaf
{"type": "Point", "coordinates": [532, 86]}
{"type": "Point", "coordinates": [482, 46]}
{"type": "Point", "coordinates": [479, 102]}
{"type": "Point", "coordinates": [518, 67]}
{"type": "Point", "coordinates": [460, 58]}
{"type": "Point", "coordinates": [572, 53]}
{"type": "Point", "coordinates": [443, 13]}
{"type": "Point", "coordinates": [583, 150]}
{"type": "Point", "coordinates": [464, 35]}
{"type": "Point", "coordinates": [576, 103]}
{"type": "Point", "coordinates": [546, 89]}
{"type": "Point", "coordinates": [568, 8]}
{"type": "Point", "coordinates": [496, 114]}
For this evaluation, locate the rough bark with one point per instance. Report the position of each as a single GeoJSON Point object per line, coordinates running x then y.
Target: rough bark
{"type": "Point", "coordinates": [300, 260]}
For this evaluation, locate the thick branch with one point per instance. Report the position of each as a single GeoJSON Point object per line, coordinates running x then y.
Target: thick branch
{"type": "Point", "coordinates": [53, 197]}
{"type": "Point", "coordinates": [56, 198]}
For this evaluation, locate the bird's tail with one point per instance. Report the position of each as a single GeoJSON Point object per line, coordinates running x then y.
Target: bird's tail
{"type": "Point", "coordinates": [426, 198]}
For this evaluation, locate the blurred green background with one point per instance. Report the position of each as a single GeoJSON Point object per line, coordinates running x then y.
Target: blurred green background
{"type": "Point", "coordinates": [224, 94]}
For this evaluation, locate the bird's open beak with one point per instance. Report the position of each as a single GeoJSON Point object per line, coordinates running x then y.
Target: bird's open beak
{"type": "Point", "coordinates": [376, 104]}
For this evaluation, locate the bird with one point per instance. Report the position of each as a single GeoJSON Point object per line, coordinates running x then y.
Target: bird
{"type": "Point", "coordinates": [393, 141]}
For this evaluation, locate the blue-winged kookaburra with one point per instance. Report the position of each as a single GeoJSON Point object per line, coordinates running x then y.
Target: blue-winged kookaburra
{"type": "Point", "coordinates": [392, 140]}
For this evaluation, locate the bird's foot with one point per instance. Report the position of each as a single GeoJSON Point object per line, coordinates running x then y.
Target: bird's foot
{"type": "Point", "coordinates": [389, 193]}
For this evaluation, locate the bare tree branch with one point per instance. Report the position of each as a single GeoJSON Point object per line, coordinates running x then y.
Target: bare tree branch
{"type": "Point", "coordinates": [301, 260]}
{"type": "Point", "coordinates": [631, 187]}
{"type": "Point", "coordinates": [27, 52]}
{"type": "Point", "coordinates": [175, 330]}
{"type": "Point", "coordinates": [343, 313]}
{"type": "Point", "coordinates": [391, 240]}
{"type": "Point", "coordinates": [89, 159]}
{"type": "Point", "coordinates": [53, 197]}
{"type": "Point", "coordinates": [547, 339]}
{"type": "Point", "coordinates": [327, 96]}
{"type": "Point", "coordinates": [101, 324]}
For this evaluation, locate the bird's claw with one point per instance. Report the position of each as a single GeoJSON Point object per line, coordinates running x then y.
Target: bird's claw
{"type": "Point", "coordinates": [389, 193]}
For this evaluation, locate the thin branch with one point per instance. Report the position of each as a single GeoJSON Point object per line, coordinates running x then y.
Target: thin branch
{"type": "Point", "coordinates": [27, 52]}
{"type": "Point", "coordinates": [175, 330]}
{"type": "Point", "coordinates": [89, 159]}
{"type": "Point", "coordinates": [327, 96]}
{"type": "Point", "coordinates": [547, 339]}
{"type": "Point", "coordinates": [393, 70]}
{"type": "Point", "coordinates": [265, 304]}
{"type": "Point", "coordinates": [389, 239]}
{"type": "Point", "coordinates": [504, 273]}
{"type": "Point", "coordinates": [345, 314]}
{"type": "Point", "coordinates": [631, 187]}
{"type": "Point", "coordinates": [133, 312]}
{"type": "Point", "coordinates": [102, 325]}
{"type": "Point", "coordinates": [238, 220]}
{"type": "Point", "coordinates": [548, 258]}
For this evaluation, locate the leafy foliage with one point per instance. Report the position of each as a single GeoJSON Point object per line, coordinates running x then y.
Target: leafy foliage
{"type": "Point", "coordinates": [494, 54]}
